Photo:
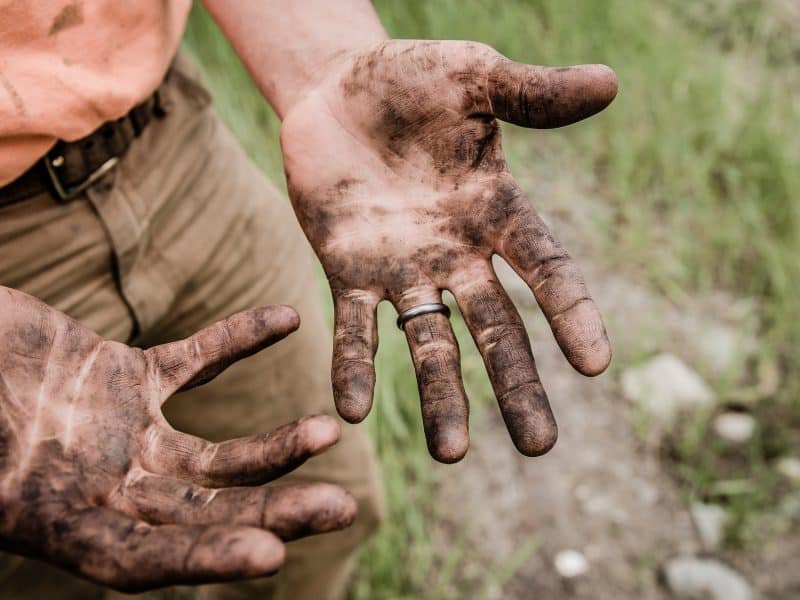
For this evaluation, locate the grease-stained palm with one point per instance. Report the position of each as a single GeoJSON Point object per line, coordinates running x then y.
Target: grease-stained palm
{"type": "Point", "coordinates": [397, 175]}
{"type": "Point", "coordinates": [93, 478]}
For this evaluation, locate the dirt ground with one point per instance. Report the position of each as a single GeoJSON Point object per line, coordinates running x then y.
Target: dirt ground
{"type": "Point", "coordinates": [603, 490]}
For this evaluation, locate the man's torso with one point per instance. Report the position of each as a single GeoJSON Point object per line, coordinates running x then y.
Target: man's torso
{"type": "Point", "coordinates": [67, 66]}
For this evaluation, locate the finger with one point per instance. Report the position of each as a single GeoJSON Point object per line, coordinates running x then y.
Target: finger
{"type": "Point", "coordinates": [501, 338]}
{"type": "Point", "coordinates": [445, 410]}
{"type": "Point", "coordinates": [558, 285]}
{"type": "Point", "coordinates": [355, 341]}
{"type": "Point", "coordinates": [544, 97]}
{"type": "Point", "coordinates": [244, 461]}
{"type": "Point", "coordinates": [132, 556]}
{"type": "Point", "coordinates": [204, 355]}
{"type": "Point", "coordinates": [290, 511]}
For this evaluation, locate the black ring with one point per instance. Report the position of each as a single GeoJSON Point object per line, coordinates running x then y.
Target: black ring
{"type": "Point", "coordinates": [422, 309]}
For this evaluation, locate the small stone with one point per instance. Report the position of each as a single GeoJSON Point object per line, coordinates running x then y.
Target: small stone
{"type": "Point", "coordinates": [695, 578]}
{"type": "Point", "coordinates": [790, 506]}
{"type": "Point", "coordinates": [571, 563]}
{"type": "Point", "coordinates": [723, 348]}
{"type": "Point", "coordinates": [789, 467]}
{"type": "Point", "coordinates": [709, 520]}
{"type": "Point", "coordinates": [735, 427]}
{"type": "Point", "coordinates": [664, 386]}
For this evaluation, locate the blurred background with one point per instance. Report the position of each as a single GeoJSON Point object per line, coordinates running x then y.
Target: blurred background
{"type": "Point", "coordinates": [682, 463]}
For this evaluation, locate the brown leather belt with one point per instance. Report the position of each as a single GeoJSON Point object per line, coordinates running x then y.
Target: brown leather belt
{"type": "Point", "coordinates": [69, 168]}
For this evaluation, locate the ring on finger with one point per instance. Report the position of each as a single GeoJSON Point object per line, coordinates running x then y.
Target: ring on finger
{"type": "Point", "coordinates": [421, 309]}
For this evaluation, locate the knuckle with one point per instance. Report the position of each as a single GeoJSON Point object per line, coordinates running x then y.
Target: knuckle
{"type": "Point", "coordinates": [559, 264]}
{"type": "Point", "coordinates": [528, 384]}
{"type": "Point", "coordinates": [437, 350]}
{"type": "Point", "coordinates": [431, 369]}
{"type": "Point", "coordinates": [438, 368]}
{"type": "Point", "coordinates": [571, 305]}
{"type": "Point", "coordinates": [206, 459]}
{"type": "Point", "coordinates": [347, 364]}
{"type": "Point", "coordinates": [226, 338]}
{"type": "Point", "coordinates": [497, 333]}
{"type": "Point", "coordinates": [353, 340]}
{"type": "Point", "coordinates": [354, 296]}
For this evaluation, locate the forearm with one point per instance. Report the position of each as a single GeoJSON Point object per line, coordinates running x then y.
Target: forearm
{"type": "Point", "coordinates": [285, 44]}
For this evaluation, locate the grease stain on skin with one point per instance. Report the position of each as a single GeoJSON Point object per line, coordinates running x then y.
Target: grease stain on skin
{"type": "Point", "coordinates": [79, 507]}
{"type": "Point", "coordinates": [431, 216]}
{"type": "Point", "coordinates": [13, 94]}
{"type": "Point", "coordinates": [69, 16]}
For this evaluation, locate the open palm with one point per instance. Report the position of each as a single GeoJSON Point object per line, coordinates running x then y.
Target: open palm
{"type": "Point", "coordinates": [93, 478]}
{"type": "Point", "coordinates": [397, 176]}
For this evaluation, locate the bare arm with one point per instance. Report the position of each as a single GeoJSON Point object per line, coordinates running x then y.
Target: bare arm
{"type": "Point", "coordinates": [285, 44]}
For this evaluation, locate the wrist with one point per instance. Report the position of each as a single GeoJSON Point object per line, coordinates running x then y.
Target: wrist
{"type": "Point", "coordinates": [289, 89]}
{"type": "Point", "coordinates": [286, 45]}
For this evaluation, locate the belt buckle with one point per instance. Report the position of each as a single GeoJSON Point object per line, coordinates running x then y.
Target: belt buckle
{"type": "Point", "coordinates": [67, 192]}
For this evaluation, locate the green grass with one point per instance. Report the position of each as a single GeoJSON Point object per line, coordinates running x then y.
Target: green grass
{"type": "Point", "coordinates": [699, 160]}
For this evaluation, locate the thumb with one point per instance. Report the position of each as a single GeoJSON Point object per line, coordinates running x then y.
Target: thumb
{"type": "Point", "coordinates": [201, 357]}
{"type": "Point", "coordinates": [546, 97]}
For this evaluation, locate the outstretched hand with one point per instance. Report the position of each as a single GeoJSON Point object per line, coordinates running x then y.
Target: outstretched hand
{"type": "Point", "coordinates": [397, 175]}
{"type": "Point", "coordinates": [93, 478]}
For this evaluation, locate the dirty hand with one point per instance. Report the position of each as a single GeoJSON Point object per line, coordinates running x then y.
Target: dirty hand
{"type": "Point", "coordinates": [397, 175]}
{"type": "Point", "coordinates": [92, 478]}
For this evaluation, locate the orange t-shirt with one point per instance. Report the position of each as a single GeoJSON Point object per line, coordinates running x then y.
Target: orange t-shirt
{"type": "Point", "coordinates": [67, 66]}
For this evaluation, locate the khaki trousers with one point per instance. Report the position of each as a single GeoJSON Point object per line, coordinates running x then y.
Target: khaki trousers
{"type": "Point", "coordinates": [186, 231]}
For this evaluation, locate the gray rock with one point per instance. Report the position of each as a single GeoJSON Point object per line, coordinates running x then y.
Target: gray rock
{"type": "Point", "coordinates": [789, 507]}
{"type": "Point", "coordinates": [709, 520]}
{"type": "Point", "coordinates": [664, 386]}
{"type": "Point", "coordinates": [736, 427]}
{"type": "Point", "coordinates": [571, 563]}
{"type": "Point", "coordinates": [789, 467]}
{"type": "Point", "coordinates": [701, 578]}
{"type": "Point", "coordinates": [722, 348]}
